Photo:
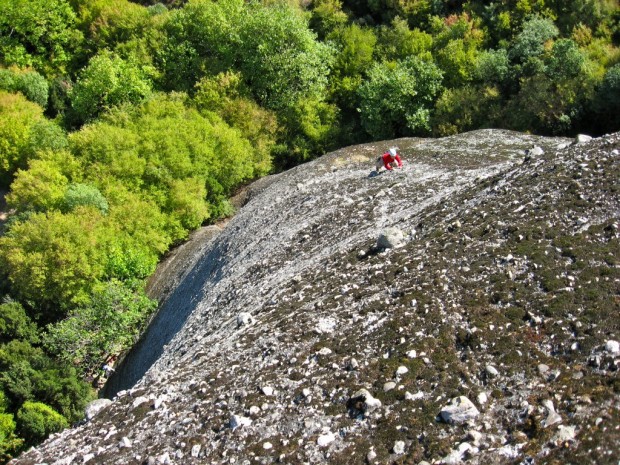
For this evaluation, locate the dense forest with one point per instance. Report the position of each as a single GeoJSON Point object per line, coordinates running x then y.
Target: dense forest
{"type": "Point", "coordinates": [125, 126]}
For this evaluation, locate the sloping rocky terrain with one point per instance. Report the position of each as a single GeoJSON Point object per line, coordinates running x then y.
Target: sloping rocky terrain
{"type": "Point", "coordinates": [464, 309]}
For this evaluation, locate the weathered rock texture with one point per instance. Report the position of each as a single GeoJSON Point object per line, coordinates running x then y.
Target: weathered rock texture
{"type": "Point", "coordinates": [305, 342]}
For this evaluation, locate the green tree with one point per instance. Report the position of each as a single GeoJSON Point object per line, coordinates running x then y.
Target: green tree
{"type": "Point", "coordinates": [199, 39]}
{"type": "Point", "coordinates": [28, 374]}
{"type": "Point", "coordinates": [396, 99]}
{"type": "Point", "coordinates": [106, 82]}
{"type": "Point", "coordinates": [41, 187]}
{"type": "Point", "coordinates": [527, 51]}
{"type": "Point", "coordinates": [456, 45]}
{"type": "Point", "coordinates": [465, 109]}
{"type": "Point", "coordinates": [397, 41]}
{"type": "Point", "coordinates": [227, 95]}
{"type": "Point", "coordinates": [36, 421]}
{"type": "Point", "coordinates": [30, 83]}
{"type": "Point", "coordinates": [17, 119]}
{"type": "Point", "coordinates": [286, 65]}
{"type": "Point", "coordinates": [327, 16]}
{"type": "Point", "coordinates": [15, 324]}
{"type": "Point", "coordinates": [38, 33]}
{"type": "Point", "coordinates": [493, 67]}
{"type": "Point", "coordinates": [78, 194]}
{"type": "Point", "coordinates": [107, 23]}
{"type": "Point", "coordinates": [355, 47]}
{"type": "Point", "coordinates": [10, 443]}
{"type": "Point", "coordinates": [53, 259]}
{"type": "Point", "coordinates": [607, 101]}
{"type": "Point", "coordinates": [109, 325]}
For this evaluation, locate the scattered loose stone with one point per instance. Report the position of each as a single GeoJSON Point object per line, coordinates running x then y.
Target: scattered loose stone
{"type": "Point", "coordinates": [267, 390]}
{"type": "Point", "coordinates": [613, 347]}
{"type": "Point", "coordinates": [401, 370]}
{"type": "Point", "coordinates": [460, 410]}
{"type": "Point", "coordinates": [195, 450]}
{"type": "Point", "coordinates": [543, 369]}
{"type": "Point", "coordinates": [399, 447]}
{"type": "Point", "coordinates": [125, 442]}
{"type": "Point", "coordinates": [244, 319]}
{"type": "Point", "coordinates": [325, 439]}
{"type": "Point", "coordinates": [492, 371]}
{"type": "Point", "coordinates": [416, 396]}
{"type": "Point", "coordinates": [237, 420]}
{"type": "Point", "coordinates": [565, 434]}
{"type": "Point", "coordinates": [552, 416]}
{"type": "Point", "coordinates": [536, 151]}
{"type": "Point", "coordinates": [582, 138]}
{"type": "Point", "coordinates": [370, 403]}
{"type": "Point", "coordinates": [390, 238]}
{"type": "Point", "coordinates": [96, 406]}
{"type": "Point", "coordinates": [139, 401]}
{"type": "Point", "coordinates": [267, 446]}
{"type": "Point", "coordinates": [389, 386]}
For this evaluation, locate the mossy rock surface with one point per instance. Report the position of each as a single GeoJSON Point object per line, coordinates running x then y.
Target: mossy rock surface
{"type": "Point", "coordinates": [505, 291]}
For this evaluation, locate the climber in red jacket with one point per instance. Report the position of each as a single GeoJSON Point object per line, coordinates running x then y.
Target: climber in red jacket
{"type": "Point", "coordinates": [389, 159]}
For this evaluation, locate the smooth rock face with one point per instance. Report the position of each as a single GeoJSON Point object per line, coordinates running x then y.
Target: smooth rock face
{"type": "Point", "coordinates": [508, 263]}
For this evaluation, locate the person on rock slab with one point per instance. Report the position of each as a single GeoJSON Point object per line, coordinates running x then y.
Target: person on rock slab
{"type": "Point", "coordinates": [389, 160]}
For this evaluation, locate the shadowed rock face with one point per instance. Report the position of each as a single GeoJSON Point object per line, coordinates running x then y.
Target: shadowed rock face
{"type": "Point", "coordinates": [301, 341]}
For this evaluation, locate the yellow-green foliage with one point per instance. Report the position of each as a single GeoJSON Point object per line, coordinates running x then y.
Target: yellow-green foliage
{"type": "Point", "coordinates": [54, 258]}
{"type": "Point", "coordinates": [17, 117]}
{"type": "Point", "coordinates": [36, 421]}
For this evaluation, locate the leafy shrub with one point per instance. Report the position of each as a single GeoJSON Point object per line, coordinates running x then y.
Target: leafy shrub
{"type": "Point", "coordinates": [9, 442]}
{"type": "Point", "coordinates": [108, 325]}
{"type": "Point", "coordinates": [15, 324]}
{"type": "Point", "coordinates": [107, 81]}
{"type": "Point", "coordinates": [17, 118]}
{"type": "Point", "coordinates": [82, 195]}
{"type": "Point", "coordinates": [30, 83]}
{"type": "Point", "coordinates": [42, 186]}
{"type": "Point", "coordinates": [53, 259]}
{"type": "Point", "coordinates": [38, 33]}
{"type": "Point", "coordinates": [396, 99]}
{"type": "Point", "coordinates": [36, 421]}
{"type": "Point", "coordinates": [28, 374]}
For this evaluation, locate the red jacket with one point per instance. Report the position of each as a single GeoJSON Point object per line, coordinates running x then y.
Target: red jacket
{"type": "Point", "coordinates": [388, 159]}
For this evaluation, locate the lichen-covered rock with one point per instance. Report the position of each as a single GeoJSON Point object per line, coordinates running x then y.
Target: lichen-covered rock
{"type": "Point", "coordinates": [508, 263]}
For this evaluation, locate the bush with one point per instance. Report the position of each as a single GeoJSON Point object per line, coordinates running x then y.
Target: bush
{"type": "Point", "coordinates": [30, 83]}
{"type": "Point", "coordinates": [36, 421]}
{"type": "Point", "coordinates": [17, 119]}
{"type": "Point", "coordinates": [9, 442]}
{"type": "Point", "coordinates": [396, 98]}
{"type": "Point", "coordinates": [53, 259]}
{"type": "Point", "coordinates": [28, 374]}
{"type": "Point", "coordinates": [107, 81]}
{"type": "Point", "coordinates": [38, 33]}
{"type": "Point", "coordinates": [84, 195]}
{"type": "Point", "coordinates": [15, 324]}
{"type": "Point", "coordinates": [108, 325]}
